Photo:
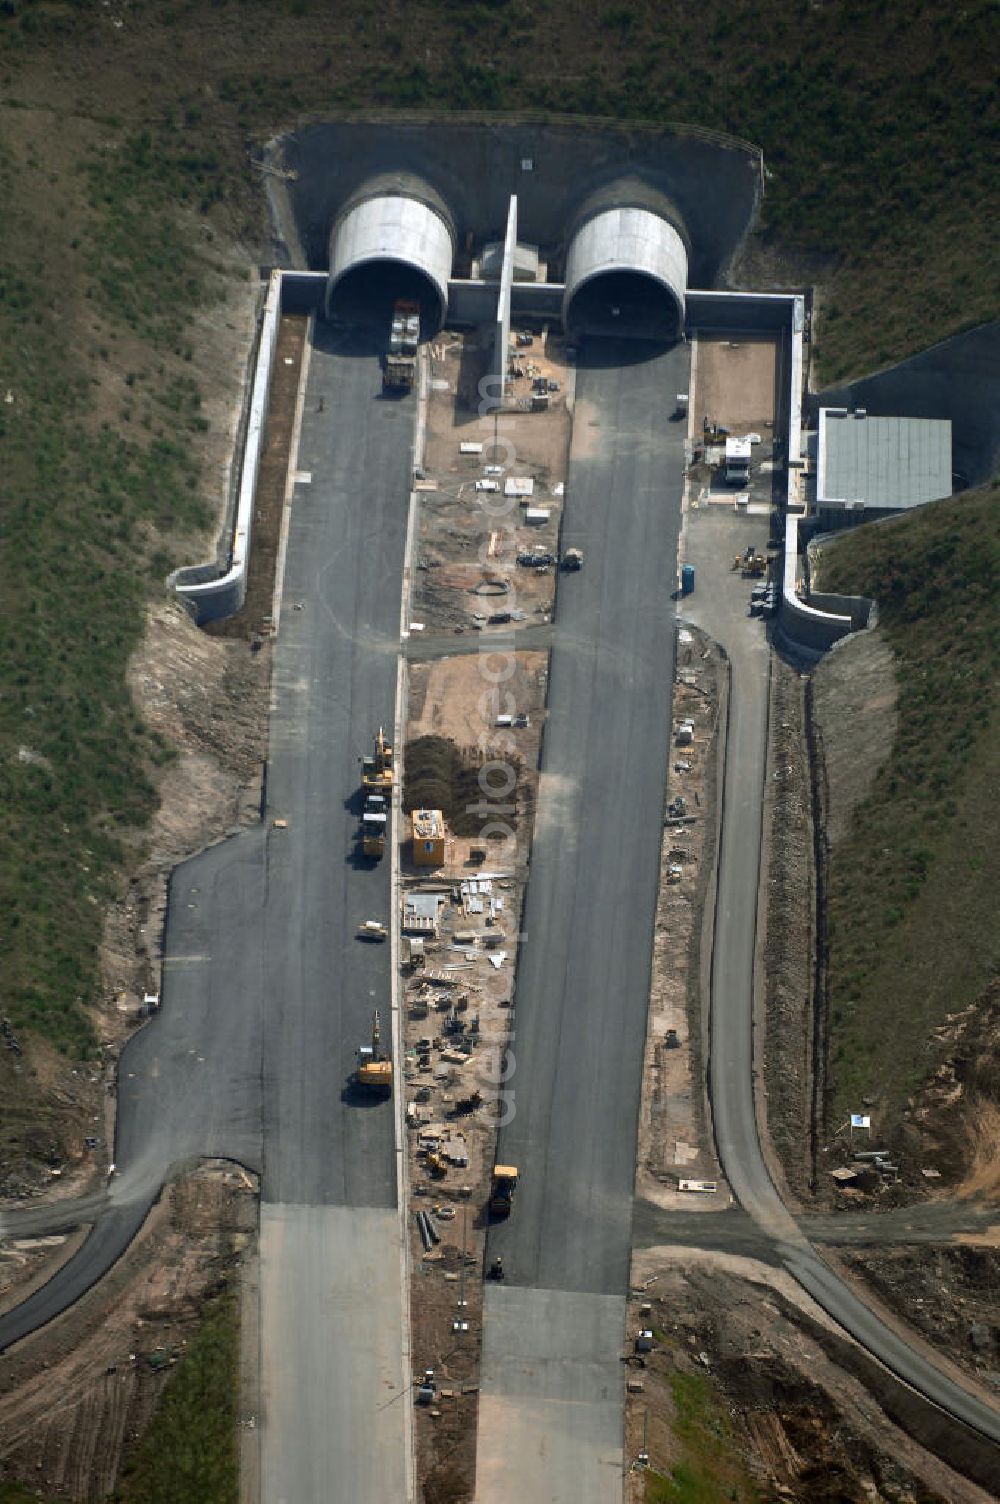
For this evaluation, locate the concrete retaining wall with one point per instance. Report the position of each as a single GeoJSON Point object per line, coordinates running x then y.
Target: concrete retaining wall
{"type": "Point", "coordinates": [862, 612]}
{"type": "Point", "coordinates": [805, 626]}
{"type": "Point", "coordinates": [215, 590]}
{"type": "Point", "coordinates": [765, 311]}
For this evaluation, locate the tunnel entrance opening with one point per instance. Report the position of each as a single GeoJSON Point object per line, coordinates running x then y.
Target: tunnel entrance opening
{"type": "Point", "coordinates": [364, 296]}
{"type": "Point", "coordinates": [627, 304]}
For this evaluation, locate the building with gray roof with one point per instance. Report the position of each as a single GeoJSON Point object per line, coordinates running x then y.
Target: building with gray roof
{"type": "Point", "coordinates": [868, 468]}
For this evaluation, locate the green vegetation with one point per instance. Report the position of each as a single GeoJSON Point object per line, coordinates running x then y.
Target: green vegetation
{"type": "Point", "coordinates": [189, 1455]}
{"type": "Point", "coordinates": [914, 921]}
{"type": "Point", "coordinates": [710, 1469]}
{"type": "Point", "coordinates": [13, 1493]}
{"type": "Point", "coordinates": [88, 509]}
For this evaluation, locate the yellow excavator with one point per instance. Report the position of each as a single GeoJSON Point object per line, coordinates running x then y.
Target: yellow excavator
{"type": "Point", "coordinates": [376, 771]}
{"type": "Point", "coordinates": [374, 1071]}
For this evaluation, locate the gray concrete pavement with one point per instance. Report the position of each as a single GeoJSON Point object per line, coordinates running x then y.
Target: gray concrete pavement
{"type": "Point", "coordinates": [583, 972]}
{"type": "Point", "coordinates": [332, 1391]}
{"type": "Point", "coordinates": [550, 1411]}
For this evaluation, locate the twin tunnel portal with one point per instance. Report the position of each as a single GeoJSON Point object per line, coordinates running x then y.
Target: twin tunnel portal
{"type": "Point", "coordinates": [624, 258]}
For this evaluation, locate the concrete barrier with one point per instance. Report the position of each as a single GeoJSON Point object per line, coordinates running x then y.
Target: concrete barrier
{"type": "Point", "coordinates": [217, 589]}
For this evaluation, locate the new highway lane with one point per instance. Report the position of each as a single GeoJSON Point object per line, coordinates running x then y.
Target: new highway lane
{"type": "Point", "coordinates": [333, 1395]}
{"type": "Point", "coordinates": [267, 993]}
{"type": "Point", "coordinates": [550, 1422]}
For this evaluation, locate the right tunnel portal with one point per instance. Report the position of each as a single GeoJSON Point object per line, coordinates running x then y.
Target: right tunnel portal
{"type": "Point", "coordinates": [626, 274]}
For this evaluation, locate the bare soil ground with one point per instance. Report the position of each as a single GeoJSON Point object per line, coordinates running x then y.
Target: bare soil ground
{"type": "Point", "coordinates": [451, 697]}
{"type": "Point", "coordinates": [468, 542]}
{"type": "Point", "coordinates": [52, 1106]}
{"type": "Point", "coordinates": [74, 1397]}
{"type": "Point", "coordinates": [458, 1013]}
{"type": "Point", "coordinates": [674, 1141]}
{"type": "Point", "coordinates": [736, 382]}
{"type": "Point", "coordinates": [786, 971]}
{"type": "Point", "coordinates": [744, 1388]}
{"type": "Point", "coordinates": [853, 697]}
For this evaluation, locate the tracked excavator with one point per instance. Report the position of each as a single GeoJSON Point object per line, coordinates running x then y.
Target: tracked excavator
{"type": "Point", "coordinates": [376, 770]}
{"type": "Point", "coordinates": [374, 1069]}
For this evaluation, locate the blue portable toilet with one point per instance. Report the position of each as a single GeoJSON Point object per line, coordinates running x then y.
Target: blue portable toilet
{"type": "Point", "coordinates": [687, 579]}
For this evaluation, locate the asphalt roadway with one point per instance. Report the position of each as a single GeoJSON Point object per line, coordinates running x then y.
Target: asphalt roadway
{"type": "Point", "coordinates": [710, 543]}
{"type": "Point", "coordinates": [550, 1420]}
{"type": "Point", "coordinates": [266, 992]}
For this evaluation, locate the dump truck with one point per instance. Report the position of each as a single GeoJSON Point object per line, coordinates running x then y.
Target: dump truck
{"type": "Point", "coordinates": [399, 370]}
{"type": "Point", "coordinates": [502, 1188]}
{"type": "Point", "coordinates": [376, 770]}
{"type": "Point", "coordinates": [374, 1068]}
{"type": "Point", "coordinates": [374, 823]}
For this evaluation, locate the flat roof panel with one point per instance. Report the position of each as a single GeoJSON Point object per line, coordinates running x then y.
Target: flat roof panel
{"type": "Point", "coordinates": [888, 463]}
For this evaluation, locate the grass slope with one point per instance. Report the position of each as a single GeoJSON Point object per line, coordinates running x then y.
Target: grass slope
{"type": "Point", "coordinates": [710, 1467]}
{"type": "Point", "coordinates": [124, 135]}
{"type": "Point", "coordinates": [914, 920]}
{"type": "Point", "coordinates": [189, 1455]}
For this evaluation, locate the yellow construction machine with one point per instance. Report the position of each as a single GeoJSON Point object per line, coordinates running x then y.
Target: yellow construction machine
{"type": "Point", "coordinates": [374, 821]}
{"type": "Point", "coordinates": [752, 565]}
{"type": "Point", "coordinates": [374, 1071]}
{"type": "Point", "coordinates": [376, 770]}
{"type": "Point", "coordinates": [502, 1188]}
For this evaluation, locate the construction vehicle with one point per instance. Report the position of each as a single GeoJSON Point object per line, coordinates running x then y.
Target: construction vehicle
{"type": "Point", "coordinates": [374, 1069]}
{"type": "Point", "coordinates": [502, 1188]}
{"type": "Point", "coordinates": [376, 771]}
{"type": "Point", "coordinates": [753, 564]}
{"type": "Point", "coordinates": [400, 368]}
{"type": "Point", "coordinates": [374, 822]}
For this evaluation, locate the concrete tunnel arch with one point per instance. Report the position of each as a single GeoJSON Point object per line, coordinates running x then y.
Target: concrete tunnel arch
{"type": "Point", "coordinates": [628, 252]}
{"type": "Point", "coordinates": [394, 238]}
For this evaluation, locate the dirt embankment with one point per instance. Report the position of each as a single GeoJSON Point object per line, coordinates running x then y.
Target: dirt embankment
{"type": "Point", "coordinates": [947, 1142]}
{"type": "Point", "coordinates": [75, 1397]}
{"type": "Point", "coordinates": [674, 1137]}
{"type": "Point", "coordinates": [207, 697]}
{"type": "Point", "coordinates": [747, 1391]}
{"type": "Point", "coordinates": [789, 938]}
{"type": "Point", "coordinates": [829, 736]}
